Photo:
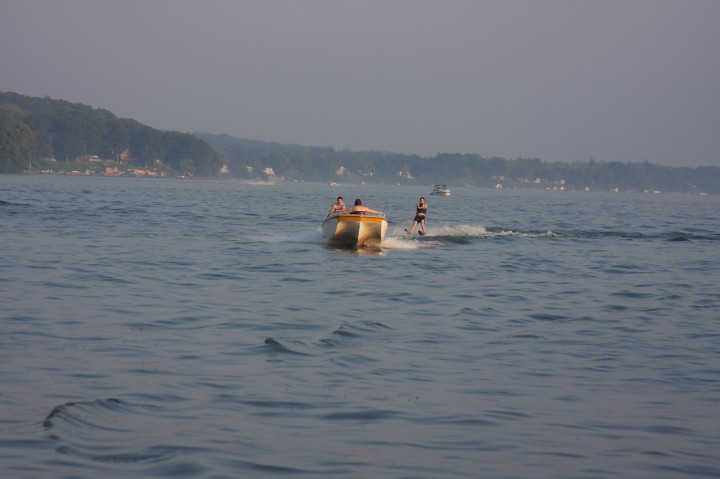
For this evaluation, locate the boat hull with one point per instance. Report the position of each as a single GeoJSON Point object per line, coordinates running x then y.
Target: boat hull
{"type": "Point", "coordinates": [440, 190]}
{"type": "Point", "coordinates": [354, 229]}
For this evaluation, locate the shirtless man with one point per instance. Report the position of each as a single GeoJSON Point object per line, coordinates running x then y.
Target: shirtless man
{"type": "Point", "coordinates": [337, 207]}
{"type": "Point", "coordinates": [358, 208]}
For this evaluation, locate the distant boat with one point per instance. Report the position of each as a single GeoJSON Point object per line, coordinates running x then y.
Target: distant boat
{"type": "Point", "coordinates": [440, 190]}
{"type": "Point", "coordinates": [355, 229]}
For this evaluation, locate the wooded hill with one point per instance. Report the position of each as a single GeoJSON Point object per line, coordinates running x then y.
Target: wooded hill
{"type": "Point", "coordinates": [40, 133]}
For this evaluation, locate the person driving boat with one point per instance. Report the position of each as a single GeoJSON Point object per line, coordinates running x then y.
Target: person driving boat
{"type": "Point", "coordinates": [359, 209]}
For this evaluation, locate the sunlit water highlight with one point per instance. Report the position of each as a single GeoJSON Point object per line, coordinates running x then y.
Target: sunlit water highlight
{"type": "Point", "coordinates": [167, 328]}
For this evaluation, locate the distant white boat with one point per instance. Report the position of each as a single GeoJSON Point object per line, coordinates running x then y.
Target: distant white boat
{"type": "Point", "coordinates": [440, 190]}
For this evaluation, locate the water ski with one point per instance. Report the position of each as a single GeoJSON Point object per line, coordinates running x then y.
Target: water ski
{"type": "Point", "coordinates": [420, 233]}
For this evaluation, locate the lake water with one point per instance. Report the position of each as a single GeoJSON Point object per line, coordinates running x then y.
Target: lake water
{"type": "Point", "coordinates": [176, 328]}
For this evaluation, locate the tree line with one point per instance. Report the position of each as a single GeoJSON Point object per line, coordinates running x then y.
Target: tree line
{"type": "Point", "coordinates": [34, 130]}
{"type": "Point", "coordinates": [250, 158]}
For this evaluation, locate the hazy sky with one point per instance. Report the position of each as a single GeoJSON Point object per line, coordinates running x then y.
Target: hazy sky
{"type": "Point", "coordinates": [559, 80]}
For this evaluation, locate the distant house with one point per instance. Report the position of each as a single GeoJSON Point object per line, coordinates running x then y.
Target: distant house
{"type": "Point", "coordinates": [87, 159]}
{"type": "Point", "coordinates": [124, 157]}
{"type": "Point", "coordinates": [145, 173]}
{"type": "Point", "coordinates": [270, 174]}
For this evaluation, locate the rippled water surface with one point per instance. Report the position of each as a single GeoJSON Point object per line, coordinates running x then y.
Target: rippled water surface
{"type": "Point", "coordinates": [174, 328]}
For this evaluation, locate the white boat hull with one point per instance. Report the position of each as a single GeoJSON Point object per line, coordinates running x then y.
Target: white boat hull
{"type": "Point", "coordinates": [355, 229]}
{"type": "Point", "coordinates": [440, 190]}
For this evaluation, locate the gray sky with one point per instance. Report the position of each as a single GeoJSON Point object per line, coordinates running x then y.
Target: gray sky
{"type": "Point", "coordinates": [559, 80]}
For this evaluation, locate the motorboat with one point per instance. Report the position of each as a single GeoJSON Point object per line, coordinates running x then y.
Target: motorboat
{"type": "Point", "coordinates": [440, 190]}
{"type": "Point", "coordinates": [356, 229]}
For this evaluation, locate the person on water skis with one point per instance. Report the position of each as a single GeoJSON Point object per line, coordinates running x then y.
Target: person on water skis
{"type": "Point", "coordinates": [420, 212]}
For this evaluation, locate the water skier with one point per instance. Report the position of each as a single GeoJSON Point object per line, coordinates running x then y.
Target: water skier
{"type": "Point", "coordinates": [420, 212]}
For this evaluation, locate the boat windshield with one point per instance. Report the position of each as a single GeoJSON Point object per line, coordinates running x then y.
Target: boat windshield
{"type": "Point", "coordinates": [367, 213]}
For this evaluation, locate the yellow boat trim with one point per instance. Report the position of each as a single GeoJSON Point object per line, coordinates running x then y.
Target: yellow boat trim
{"type": "Point", "coordinates": [361, 218]}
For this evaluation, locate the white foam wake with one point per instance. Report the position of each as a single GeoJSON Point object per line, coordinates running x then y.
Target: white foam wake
{"type": "Point", "coordinates": [469, 231]}
{"type": "Point", "coordinates": [398, 238]}
{"type": "Point", "coordinates": [478, 231]}
{"type": "Point", "coordinates": [404, 241]}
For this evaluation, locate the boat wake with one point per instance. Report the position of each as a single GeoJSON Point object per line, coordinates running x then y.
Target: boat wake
{"type": "Point", "coordinates": [446, 232]}
{"type": "Point", "coordinates": [472, 231]}
{"type": "Point", "coordinates": [404, 241]}
{"type": "Point", "coordinates": [398, 239]}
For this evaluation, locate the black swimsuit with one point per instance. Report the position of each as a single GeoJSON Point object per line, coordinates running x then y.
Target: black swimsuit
{"type": "Point", "coordinates": [420, 214]}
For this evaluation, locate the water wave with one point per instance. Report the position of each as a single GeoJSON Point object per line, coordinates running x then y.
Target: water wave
{"type": "Point", "coordinates": [11, 203]}
{"type": "Point", "coordinates": [102, 431]}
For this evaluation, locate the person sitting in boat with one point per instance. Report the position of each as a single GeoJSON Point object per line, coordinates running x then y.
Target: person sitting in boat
{"type": "Point", "coordinates": [420, 212]}
{"type": "Point", "coordinates": [359, 209]}
{"type": "Point", "coordinates": [338, 207]}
